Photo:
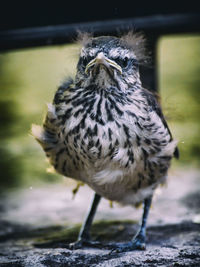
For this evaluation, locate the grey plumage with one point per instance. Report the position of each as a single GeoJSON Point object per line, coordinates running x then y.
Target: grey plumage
{"type": "Point", "coordinates": [104, 129]}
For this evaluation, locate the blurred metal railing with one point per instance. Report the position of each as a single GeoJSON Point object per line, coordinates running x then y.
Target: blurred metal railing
{"type": "Point", "coordinates": [59, 34]}
{"type": "Point", "coordinates": [152, 26]}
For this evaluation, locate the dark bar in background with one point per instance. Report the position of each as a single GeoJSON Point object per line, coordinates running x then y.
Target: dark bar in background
{"type": "Point", "coordinates": [60, 34]}
{"type": "Point", "coordinates": [153, 27]}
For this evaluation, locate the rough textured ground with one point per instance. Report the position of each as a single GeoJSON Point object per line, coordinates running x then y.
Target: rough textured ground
{"type": "Point", "coordinates": [38, 223]}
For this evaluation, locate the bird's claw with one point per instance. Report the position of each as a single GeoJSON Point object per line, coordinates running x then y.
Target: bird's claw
{"type": "Point", "coordinates": [76, 245]}
{"type": "Point", "coordinates": [83, 243]}
{"type": "Point", "coordinates": [130, 246]}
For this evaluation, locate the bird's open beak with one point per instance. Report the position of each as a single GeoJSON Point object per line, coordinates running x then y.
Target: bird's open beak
{"type": "Point", "coordinates": [101, 59]}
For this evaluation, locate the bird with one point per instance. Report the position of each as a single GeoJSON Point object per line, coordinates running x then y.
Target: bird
{"type": "Point", "coordinates": [106, 130]}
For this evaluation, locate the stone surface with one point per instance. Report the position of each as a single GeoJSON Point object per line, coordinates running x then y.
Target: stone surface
{"type": "Point", "coordinates": [38, 223]}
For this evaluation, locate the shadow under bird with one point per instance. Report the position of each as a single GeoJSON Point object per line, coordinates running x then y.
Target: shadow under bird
{"type": "Point", "coordinates": [106, 130]}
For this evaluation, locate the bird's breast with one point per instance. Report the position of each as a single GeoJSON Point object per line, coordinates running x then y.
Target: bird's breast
{"type": "Point", "coordinates": [101, 135]}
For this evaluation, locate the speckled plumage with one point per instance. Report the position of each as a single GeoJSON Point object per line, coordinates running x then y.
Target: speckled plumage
{"type": "Point", "coordinates": [104, 129]}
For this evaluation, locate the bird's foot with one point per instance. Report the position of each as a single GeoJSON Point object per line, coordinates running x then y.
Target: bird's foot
{"type": "Point", "coordinates": [81, 243]}
{"type": "Point", "coordinates": [138, 243]}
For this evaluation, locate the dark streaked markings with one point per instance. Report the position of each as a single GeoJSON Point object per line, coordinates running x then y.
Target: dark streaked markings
{"type": "Point", "coordinates": [145, 154]}
{"type": "Point", "coordinates": [110, 134]}
{"type": "Point", "coordinates": [109, 113]}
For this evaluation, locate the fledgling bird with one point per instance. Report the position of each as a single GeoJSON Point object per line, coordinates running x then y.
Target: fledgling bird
{"type": "Point", "coordinates": [106, 130]}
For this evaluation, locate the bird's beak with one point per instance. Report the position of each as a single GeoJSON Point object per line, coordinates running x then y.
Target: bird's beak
{"type": "Point", "coordinates": [101, 59]}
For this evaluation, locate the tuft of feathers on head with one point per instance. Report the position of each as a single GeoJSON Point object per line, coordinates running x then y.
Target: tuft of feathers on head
{"type": "Point", "coordinates": [84, 38]}
{"type": "Point", "coordinates": [136, 41]}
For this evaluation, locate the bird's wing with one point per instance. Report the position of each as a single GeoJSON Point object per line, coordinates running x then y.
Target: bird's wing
{"type": "Point", "coordinates": [48, 134]}
{"type": "Point", "coordinates": [155, 106]}
{"type": "Point", "coordinates": [64, 87]}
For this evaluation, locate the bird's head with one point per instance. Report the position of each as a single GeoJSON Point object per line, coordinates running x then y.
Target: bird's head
{"type": "Point", "coordinates": [111, 62]}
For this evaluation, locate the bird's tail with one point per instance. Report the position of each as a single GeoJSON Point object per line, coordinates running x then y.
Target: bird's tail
{"type": "Point", "coordinates": [47, 135]}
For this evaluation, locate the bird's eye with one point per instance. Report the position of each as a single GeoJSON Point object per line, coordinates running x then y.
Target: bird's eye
{"type": "Point", "coordinates": [123, 62]}
{"type": "Point", "coordinates": [86, 60]}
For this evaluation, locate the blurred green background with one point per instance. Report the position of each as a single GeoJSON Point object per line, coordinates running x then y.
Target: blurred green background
{"type": "Point", "coordinates": [29, 78]}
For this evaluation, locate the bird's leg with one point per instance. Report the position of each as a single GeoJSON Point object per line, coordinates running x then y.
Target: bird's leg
{"type": "Point", "coordinates": [85, 229]}
{"type": "Point", "coordinates": [84, 234]}
{"type": "Point", "coordinates": [138, 242]}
